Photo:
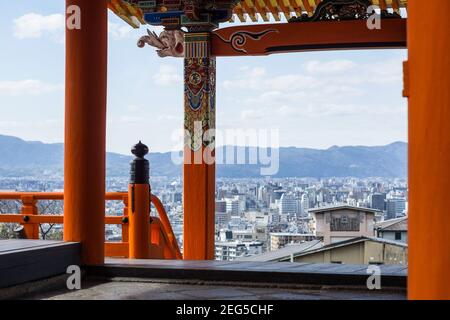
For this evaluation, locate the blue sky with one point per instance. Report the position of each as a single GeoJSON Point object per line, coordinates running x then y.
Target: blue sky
{"type": "Point", "coordinates": [316, 99]}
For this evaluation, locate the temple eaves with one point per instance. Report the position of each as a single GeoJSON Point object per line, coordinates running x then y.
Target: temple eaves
{"type": "Point", "coordinates": [174, 14]}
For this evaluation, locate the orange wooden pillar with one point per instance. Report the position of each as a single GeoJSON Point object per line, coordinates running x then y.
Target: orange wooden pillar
{"type": "Point", "coordinates": [429, 149]}
{"type": "Point", "coordinates": [199, 167]}
{"type": "Point", "coordinates": [85, 127]}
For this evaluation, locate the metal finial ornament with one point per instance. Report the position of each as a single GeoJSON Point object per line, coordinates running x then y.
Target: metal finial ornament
{"type": "Point", "coordinates": [139, 150]}
{"type": "Point", "coordinates": [140, 167]}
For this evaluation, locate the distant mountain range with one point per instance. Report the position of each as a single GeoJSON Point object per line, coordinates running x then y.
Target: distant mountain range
{"type": "Point", "coordinates": [25, 158]}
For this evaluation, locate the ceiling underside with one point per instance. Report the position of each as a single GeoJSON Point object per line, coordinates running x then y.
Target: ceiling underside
{"type": "Point", "coordinates": [244, 11]}
{"type": "Point", "coordinates": [257, 10]}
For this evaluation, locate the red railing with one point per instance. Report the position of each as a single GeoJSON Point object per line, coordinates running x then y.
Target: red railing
{"type": "Point", "coordinates": [163, 241]}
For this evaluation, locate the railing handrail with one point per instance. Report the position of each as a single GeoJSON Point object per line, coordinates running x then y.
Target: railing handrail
{"type": "Point", "coordinates": [11, 195]}
{"type": "Point", "coordinates": [38, 218]}
{"type": "Point", "coordinates": [166, 225]}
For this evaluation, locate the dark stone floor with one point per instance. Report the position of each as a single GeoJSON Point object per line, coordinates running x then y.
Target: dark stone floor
{"type": "Point", "coordinates": [137, 289]}
{"type": "Point", "coordinates": [35, 268]}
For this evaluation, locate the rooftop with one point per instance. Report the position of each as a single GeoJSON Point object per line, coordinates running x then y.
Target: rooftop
{"type": "Point", "coordinates": [352, 241]}
{"type": "Point", "coordinates": [288, 234]}
{"type": "Point", "coordinates": [287, 251]}
{"type": "Point", "coordinates": [342, 207]}
{"type": "Point", "coordinates": [399, 224]}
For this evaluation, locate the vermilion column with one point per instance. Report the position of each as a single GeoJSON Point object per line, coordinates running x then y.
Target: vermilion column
{"type": "Point", "coordinates": [85, 127]}
{"type": "Point", "coordinates": [429, 149]}
{"type": "Point", "coordinates": [199, 166]}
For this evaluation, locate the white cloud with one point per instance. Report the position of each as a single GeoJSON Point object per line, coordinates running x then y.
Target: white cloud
{"type": "Point", "coordinates": [316, 110]}
{"type": "Point", "coordinates": [133, 108]}
{"type": "Point", "coordinates": [320, 76]}
{"type": "Point", "coordinates": [333, 66]}
{"type": "Point", "coordinates": [170, 117]}
{"type": "Point", "coordinates": [251, 79]}
{"type": "Point", "coordinates": [318, 88]}
{"type": "Point", "coordinates": [255, 114]}
{"type": "Point", "coordinates": [119, 31]}
{"type": "Point", "coordinates": [131, 119]}
{"type": "Point", "coordinates": [167, 75]}
{"type": "Point", "coordinates": [33, 25]}
{"type": "Point", "coordinates": [335, 88]}
{"type": "Point", "coordinates": [27, 87]}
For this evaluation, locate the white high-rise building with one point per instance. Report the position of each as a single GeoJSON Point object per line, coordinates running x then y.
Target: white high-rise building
{"type": "Point", "coordinates": [288, 204]}
{"type": "Point", "coordinates": [305, 204]}
{"type": "Point", "coordinates": [232, 206]}
{"type": "Point", "coordinates": [222, 218]}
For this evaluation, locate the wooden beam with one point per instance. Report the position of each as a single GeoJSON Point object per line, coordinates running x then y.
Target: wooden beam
{"type": "Point", "coordinates": [239, 12]}
{"type": "Point", "coordinates": [261, 7]}
{"type": "Point", "coordinates": [284, 9]}
{"type": "Point", "coordinates": [250, 10]}
{"type": "Point", "coordinates": [273, 10]}
{"type": "Point", "coordinates": [308, 7]}
{"type": "Point", "coordinates": [396, 6]}
{"type": "Point", "coordinates": [268, 39]}
{"type": "Point", "coordinates": [295, 4]}
{"type": "Point", "coordinates": [383, 5]}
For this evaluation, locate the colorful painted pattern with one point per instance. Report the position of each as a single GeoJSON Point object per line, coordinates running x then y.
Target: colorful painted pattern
{"type": "Point", "coordinates": [200, 91]}
{"type": "Point", "coordinates": [197, 45]}
{"type": "Point", "coordinates": [238, 39]}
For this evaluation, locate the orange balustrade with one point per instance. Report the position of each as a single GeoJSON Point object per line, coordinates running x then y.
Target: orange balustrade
{"type": "Point", "coordinates": [139, 222]}
{"type": "Point", "coordinates": [163, 243]}
{"type": "Point", "coordinates": [166, 227]}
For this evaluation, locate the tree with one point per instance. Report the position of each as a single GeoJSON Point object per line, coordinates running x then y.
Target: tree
{"type": "Point", "coordinates": [50, 207]}
{"type": "Point", "coordinates": [9, 207]}
{"type": "Point", "coordinates": [45, 207]}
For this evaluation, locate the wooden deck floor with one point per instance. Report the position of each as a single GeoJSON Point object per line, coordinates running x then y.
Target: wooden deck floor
{"type": "Point", "coordinates": [22, 261]}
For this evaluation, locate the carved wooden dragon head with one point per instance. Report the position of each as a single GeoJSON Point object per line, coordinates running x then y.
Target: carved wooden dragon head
{"type": "Point", "coordinates": [170, 43]}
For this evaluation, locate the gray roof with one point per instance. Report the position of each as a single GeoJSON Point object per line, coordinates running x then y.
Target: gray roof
{"type": "Point", "coordinates": [399, 224]}
{"type": "Point", "coordinates": [284, 252]}
{"type": "Point", "coordinates": [350, 242]}
{"type": "Point", "coordinates": [341, 207]}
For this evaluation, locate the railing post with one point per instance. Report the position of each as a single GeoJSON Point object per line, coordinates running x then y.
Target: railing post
{"type": "Point", "coordinates": [29, 208]}
{"type": "Point", "coordinates": [125, 219]}
{"type": "Point", "coordinates": [139, 204]}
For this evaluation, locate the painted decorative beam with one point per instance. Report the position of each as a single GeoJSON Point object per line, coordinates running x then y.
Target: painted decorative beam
{"type": "Point", "coordinates": [265, 39]}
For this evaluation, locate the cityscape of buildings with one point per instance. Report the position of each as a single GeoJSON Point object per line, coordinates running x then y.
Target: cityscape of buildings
{"type": "Point", "coordinates": [255, 217]}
